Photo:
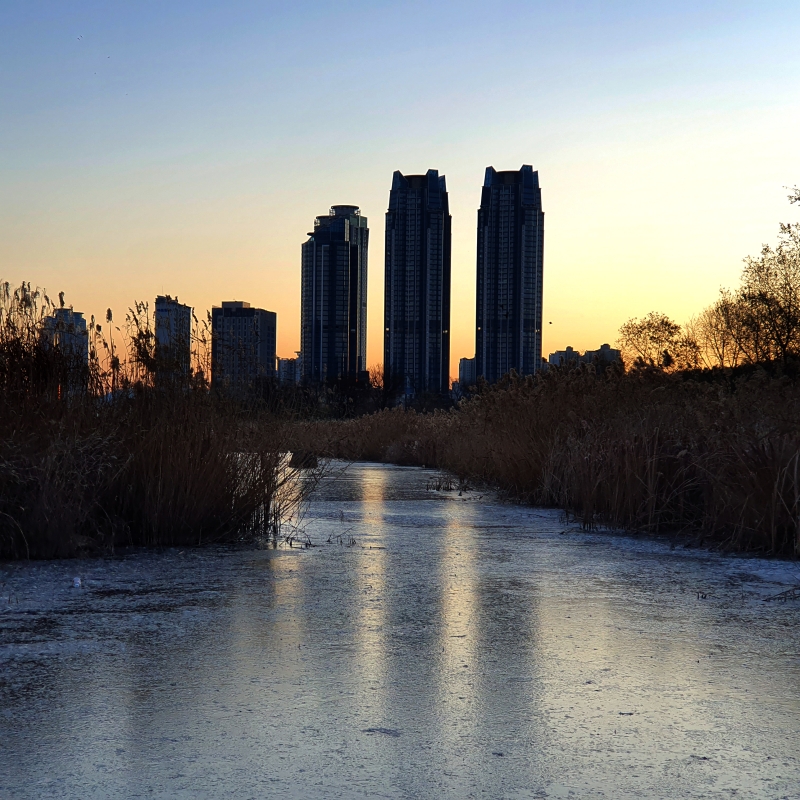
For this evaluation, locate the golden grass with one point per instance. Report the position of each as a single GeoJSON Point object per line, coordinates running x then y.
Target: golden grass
{"type": "Point", "coordinates": [700, 453]}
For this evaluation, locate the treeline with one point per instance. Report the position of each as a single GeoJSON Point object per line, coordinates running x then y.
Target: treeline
{"type": "Point", "coordinates": [100, 452]}
{"type": "Point", "coordinates": [757, 323]}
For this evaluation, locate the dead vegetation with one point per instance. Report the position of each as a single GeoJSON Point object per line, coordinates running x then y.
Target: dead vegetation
{"type": "Point", "coordinates": [714, 454]}
{"type": "Point", "coordinates": [95, 456]}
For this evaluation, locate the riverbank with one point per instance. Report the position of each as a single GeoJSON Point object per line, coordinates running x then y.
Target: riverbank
{"type": "Point", "coordinates": [711, 455]}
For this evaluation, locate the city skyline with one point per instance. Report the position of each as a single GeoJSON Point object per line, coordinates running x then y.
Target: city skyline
{"type": "Point", "coordinates": [168, 152]}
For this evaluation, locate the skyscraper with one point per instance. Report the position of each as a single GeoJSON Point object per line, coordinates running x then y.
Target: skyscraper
{"type": "Point", "coordinates": [333, 313]}
{"type": "Point", "coordinates": [242, 344]}
{"type": "Point", "coordinates": [508, 331]}
{"type": "Point", "coordinates": [417, 290]}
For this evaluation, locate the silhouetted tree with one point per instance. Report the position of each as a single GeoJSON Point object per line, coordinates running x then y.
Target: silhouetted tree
{"type": "Point", "coordinates": [656, 342]}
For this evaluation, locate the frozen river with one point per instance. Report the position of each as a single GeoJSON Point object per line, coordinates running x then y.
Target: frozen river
{"type": "Point", "coordinates": [458, 648]}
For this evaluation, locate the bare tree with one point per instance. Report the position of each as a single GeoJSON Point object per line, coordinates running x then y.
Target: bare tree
{"type": "Point", "coordinates": [657, 342]}
{"type": "Point", "coordinates": [770, 296]}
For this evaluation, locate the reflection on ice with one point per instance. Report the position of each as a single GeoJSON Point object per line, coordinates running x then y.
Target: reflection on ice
{"type": "Point", "coordinates": [460, 648]}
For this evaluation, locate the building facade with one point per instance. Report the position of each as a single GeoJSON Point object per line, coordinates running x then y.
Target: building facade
{"type": "Point", "coordinates": [417, 289]}
{"type": "Point", "coordinates": [510, 260]}
{"type": "Point", "coordinates": [467, 376]}
{"type": "Point", "coordinates": [66, 330]}
{"type": "Point", "coordinates": [602, 357]}
{"type": "Point", "coordinates": [173, 337]}
{"type": "Point", "coordinates": [563, 358]}
{"type": "Point", "coordinates": [289, 371]}
{"type": "Point", "coordinates": [243, 343]}
{"type": "Point", "coordinates": [333, 312]}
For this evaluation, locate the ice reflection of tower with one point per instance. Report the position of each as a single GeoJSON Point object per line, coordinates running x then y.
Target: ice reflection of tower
{"type": "Point", "coordinates": [460, 613]}
{"type": "Point", "coordinates": [371, 576]}
{"type": "Point", "coordinates": [490, 679]}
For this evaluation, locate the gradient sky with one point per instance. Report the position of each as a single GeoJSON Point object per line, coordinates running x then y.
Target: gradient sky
{"type": "Point", "coordinates": [185, 148]}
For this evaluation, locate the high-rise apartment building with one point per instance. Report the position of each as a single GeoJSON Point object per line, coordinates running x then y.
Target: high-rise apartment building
{"type": "Point", "coordinates": [173, 336]}
{"type": "Point", "coordinates": [242, 345]}
{"type": "Point", "coordinates": [417, 290]}
{"type": "Point", "coordinates": [66, 330]}
{"type": "Point", "coordinates": [510, 267]}
{"type": "Point", "coordinates": [466, 373]}
{"type": "Point", "coordinates": [289, 371]}
{"type": "Point", "coordinates": [333, 313]}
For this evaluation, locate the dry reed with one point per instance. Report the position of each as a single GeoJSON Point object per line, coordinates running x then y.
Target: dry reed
{"type": "Point", "coordinates": [85, 469]}
{"type": "Point", "coordinates": [711, 455]}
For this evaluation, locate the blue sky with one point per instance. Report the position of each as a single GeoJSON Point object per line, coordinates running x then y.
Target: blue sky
{"type": "Point", "coordinates": [187, 147]}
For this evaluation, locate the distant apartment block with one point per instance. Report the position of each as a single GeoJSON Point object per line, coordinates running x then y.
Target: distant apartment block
{"type": "Point", "coordinates": [66, 330]}
{"type": "Point", "coordinates": [243, 344]}
{"type": "Point", "coordinates": [562, 358]}
{"type": "Point", "coordinates": [333, 312]}
{"type": "Point", "coordinates": [467, 376]}
{"type": "Point", "coordinates": [417, 284]}
{"type": "Point", "coordinates": [173, 336]}
{"type": "Point", "coordinates": [289, 371]}
{"type": "Point", "coordinates": [510, 262]}
{"type": "Point", "coordinates": [603, 356]}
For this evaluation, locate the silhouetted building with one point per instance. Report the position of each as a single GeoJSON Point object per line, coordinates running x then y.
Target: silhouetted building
{"type": "Point", "coordinates": [467, 375]}
{"type": "Point", "coordinates": [288, 371]}
{"type": "Point", "coordinates": [510, 269]}
{"type": "Point", "coordinates": [562, 358]}
{"type": "Point", "coordinates": [242, 344]}
{"type": "Point", "coordinates": [417, 289]}
{"type": "Point", "coordinates": [173, 336]}
{"type": "Point", "coordinates": [604, 356]}
{"type": "Point", "coordinates": [66, 330]}
{"type": "Point", "coordinates": [333, 337]}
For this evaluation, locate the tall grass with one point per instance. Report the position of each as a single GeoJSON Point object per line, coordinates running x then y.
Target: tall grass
{"type": "Point", "coordinates": [707, 453]}
{"type": "Point", "coordinates": [84, 469]}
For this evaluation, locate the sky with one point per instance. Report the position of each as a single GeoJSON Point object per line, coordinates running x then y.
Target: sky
{"type": "Point", "coordinates": [185, 148]}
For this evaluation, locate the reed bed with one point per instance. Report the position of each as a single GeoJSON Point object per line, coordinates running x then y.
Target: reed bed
{"type": "Point", "coordinates": [714, 455]}
{"type": "Point", "coordinates": [94, 459]}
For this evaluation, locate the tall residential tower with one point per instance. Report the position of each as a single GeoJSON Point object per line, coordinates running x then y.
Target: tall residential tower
{"type": "Point", "coordinates": [508, 325]}
{"type": "Point", "coordinates": [417, 291]}
{"type": "Point", "coordinates": [333, 313]}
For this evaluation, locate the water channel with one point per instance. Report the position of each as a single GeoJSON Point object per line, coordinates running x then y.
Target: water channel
{"type": "Point", "coordinates": [451, 646]}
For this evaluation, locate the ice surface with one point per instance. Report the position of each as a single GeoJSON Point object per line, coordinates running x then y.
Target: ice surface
{"type": "Point", "coordinates": [460, 648]}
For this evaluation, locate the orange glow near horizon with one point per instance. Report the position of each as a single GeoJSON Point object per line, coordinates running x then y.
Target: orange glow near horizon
{"type": "Point", "coordinates": [188, 153]}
